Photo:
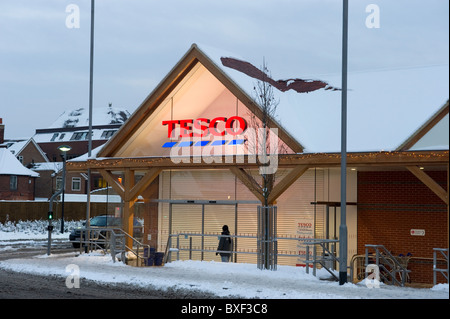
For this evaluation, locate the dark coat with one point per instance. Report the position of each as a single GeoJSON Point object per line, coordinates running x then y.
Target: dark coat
{"type": "Point", "coordinates": [225, 244]}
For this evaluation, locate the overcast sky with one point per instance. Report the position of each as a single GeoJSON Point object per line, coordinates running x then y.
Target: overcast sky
{"type": "Point", "coordinates": [44, 65]}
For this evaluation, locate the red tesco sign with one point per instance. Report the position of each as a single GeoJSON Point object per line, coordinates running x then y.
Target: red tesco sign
{"type": "Point", "coordinates": [202, 127]}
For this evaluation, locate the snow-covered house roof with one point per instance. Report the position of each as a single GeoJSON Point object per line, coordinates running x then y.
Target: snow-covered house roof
{"type": "Point", "coordinates": [100, 116]}
{"type": "Point", "coordinates": [17, 146]}
{"type": "Point", "coordinates": [48, 166]}
{"type": "Point", "coordinates": [73, 125]}
{"type": "Point", "coordinates": [10, 165]}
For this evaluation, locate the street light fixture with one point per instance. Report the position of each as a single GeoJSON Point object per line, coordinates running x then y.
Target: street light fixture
{"type": "Point", "coordinates": [64, 149]}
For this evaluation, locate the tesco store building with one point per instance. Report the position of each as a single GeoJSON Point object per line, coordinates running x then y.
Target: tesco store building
{"type": "Point", "coordinates": [189, 161]}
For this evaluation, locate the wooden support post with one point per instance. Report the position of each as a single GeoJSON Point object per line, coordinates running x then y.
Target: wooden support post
{"type": "Point", "coordinates": [429, 182]}
{"type": "Point", "coordinates": [128, 208]}
{"type": "Point", "coordinates": [248, 181]}
{"type": "Point", "coordinates": [286, 182]}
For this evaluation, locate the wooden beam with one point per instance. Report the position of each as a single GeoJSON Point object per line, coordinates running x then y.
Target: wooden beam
{"type": "Point", "coordinates": [360, 159]}
{"type": "Point", "coordinates": [422, 131]}
{"type": "Point", "coordinates": [248, 181]}
{"type": "Point", "coordinates": [143, 183]}
{"type": "Point", "coordinates": [128, 222]}
{"type": "Point", "coordinates": [287, 181]}
{"type": "Point", "coordinates": [429, 182]}
{"type": "Point", "coordinates": [129, 181]}
{"type": "Point", "coordinates": [115, 184]}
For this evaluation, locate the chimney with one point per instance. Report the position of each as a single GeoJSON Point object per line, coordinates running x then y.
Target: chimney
{"type": "Point", "coordinates": [2, 131]}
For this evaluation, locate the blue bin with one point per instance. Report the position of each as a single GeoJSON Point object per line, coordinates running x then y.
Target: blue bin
{"type": "Point", "coordinates": [159, 259]}
{"type": "Point", "coordinates": [152, 251]}
{"type": "Point", "coordinates": [149, 257]}
{"type": "Point", "coordinates": [150, 261]}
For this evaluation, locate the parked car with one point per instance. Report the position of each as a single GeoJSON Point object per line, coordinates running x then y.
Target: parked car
{"type": "Point", "coordinates": [104, 221]}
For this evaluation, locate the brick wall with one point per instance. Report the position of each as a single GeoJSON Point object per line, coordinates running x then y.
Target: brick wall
{"type": "Point", "coordinates": [390, 204]}
{"type": "Point", "coordinates": [24, 191]}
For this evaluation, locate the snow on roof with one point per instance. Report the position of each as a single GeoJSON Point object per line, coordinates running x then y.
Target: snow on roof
{"type": "Point", "coordinates": [74, 135]}
{"type": "Point", "coordinates": [85, 156]}
{"type": "Point", "coordinates": [16, 146]}
{"type": "Point", "coordinates": [100, 116]}
{"type": "Point", "coordinates": [48, 166]}
{"type": "Point", "coordinates": [10, 165]}
{"type": "Point", "coordinates": [384, 106]}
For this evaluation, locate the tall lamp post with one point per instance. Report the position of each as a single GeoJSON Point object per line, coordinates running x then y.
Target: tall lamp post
{"type": "Point", "coordinates": [343, 226]}
{"type": "Point", "coordinates": [64, 149]}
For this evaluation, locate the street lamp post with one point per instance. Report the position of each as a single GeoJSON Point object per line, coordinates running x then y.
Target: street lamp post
{"type": "Point", "coordinates": [64, 149]}
{"type": "Point", "coordinates": [343, 226]}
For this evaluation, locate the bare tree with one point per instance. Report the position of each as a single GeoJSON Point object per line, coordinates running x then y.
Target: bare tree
{"type": "Point", "coordinates": [265, 98]}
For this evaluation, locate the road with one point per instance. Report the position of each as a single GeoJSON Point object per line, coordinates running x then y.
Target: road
{"type": "Point", "coordinates": [17, 285]}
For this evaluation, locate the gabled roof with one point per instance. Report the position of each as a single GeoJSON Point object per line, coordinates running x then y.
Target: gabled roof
{"type": "Point", "coordinates": [426, 128]}
{"type": "Point", "coordinates": [10, 165]}
{"type": "Point", "coordinates": [193, 56]}
{"type": "Point", "coordinates": [17, 147]}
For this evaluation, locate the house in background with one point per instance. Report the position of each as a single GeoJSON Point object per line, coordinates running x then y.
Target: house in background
{"type": "Point", "coordinates": [41, 153]}
{"type": "Point", "coordinates": [27, 151]}
{"type": "Point", "coordinates": [16, 181]}
{"type": "Point", "coordinates": [72, 128]}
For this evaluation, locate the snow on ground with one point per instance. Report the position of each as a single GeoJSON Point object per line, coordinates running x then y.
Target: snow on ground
{"type": "Point", "coordinates": [222, 279]}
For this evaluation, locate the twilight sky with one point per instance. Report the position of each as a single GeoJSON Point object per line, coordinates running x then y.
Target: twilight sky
{"type": "Point", "coordinates": [44, 65]}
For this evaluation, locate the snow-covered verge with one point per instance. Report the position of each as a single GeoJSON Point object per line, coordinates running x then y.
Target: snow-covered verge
{"type": "Point", "coordinates": [34, 230]}
{"type": "Point", "coordinates": [222, 279]}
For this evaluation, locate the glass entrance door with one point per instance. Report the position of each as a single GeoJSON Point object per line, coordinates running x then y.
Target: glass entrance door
{"type": "Point", "coordinates": [199, 226]}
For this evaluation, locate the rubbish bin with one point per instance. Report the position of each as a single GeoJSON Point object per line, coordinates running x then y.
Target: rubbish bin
{"type": "Point", "coordinates": [149, 256]}
{"type": "Point", "coordinates": [159, 258]}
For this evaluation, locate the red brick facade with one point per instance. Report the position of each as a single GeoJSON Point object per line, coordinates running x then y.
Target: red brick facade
{"type": "Point", "coordinates": [392, 203]}
{"type": "Point", "coordinates": [24, 190]}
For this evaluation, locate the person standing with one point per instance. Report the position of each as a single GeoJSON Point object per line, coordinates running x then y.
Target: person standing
{"type": "Point", "coordinates": [225, 245]}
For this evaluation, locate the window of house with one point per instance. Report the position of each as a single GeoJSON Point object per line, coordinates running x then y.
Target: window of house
{"type": "Point", "coordinates": [58, 182]}
{"type": "Point", "coordinates": [13, 182]}
{"type": "Point", "coordinates": [108, 134]}
{"type": "Point", "coordinates": [55, 135]}
{"type": "Point", "coordinates": [77, 136]}
{"type": "Point", "coordinates": [76, 183]}
{"type": "Point", "coordinates": [99, 182]}
{"type": "Point", "coordinates": [20, 158]}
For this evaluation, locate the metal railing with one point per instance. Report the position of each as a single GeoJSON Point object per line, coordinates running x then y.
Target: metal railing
{"type": "Point", "coordinates": [389, 265]}
{"type": "Point", "coordinates": [114, 241]}
{"type": "Point", "coordinates": [178, 248]}
{"type": "Point", "coordinates": [443, 271]}
{"type": "Point", "coordinates": [324, 256]}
